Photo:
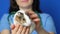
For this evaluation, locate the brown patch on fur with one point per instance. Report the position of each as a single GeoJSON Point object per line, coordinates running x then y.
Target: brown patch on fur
{"type": "Point", "coordinates": [20, 19]}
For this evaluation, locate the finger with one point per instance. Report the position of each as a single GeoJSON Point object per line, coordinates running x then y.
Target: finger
{"type": "Point", "coordinates": [12, 26]}
{"type": "Point", "coordinates": [20, 30]}
{"type": "Point", "coordinates": [23, 31]}
{"type": "Point", "coordinates": [16, 27]}
{"type": "Point", "coordinates": [34, 16]}
{"type": "Point", "coordinates": [30, 12]}
{"type": "Point", "coordinates": [27, 31]}
{"type": "Point", "coordinates": [37, 20]}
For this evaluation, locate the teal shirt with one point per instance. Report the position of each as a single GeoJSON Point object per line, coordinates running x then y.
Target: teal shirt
{"type": "Point", "coordinates": [47, 23]}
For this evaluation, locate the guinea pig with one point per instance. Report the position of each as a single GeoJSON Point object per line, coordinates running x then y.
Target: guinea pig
{"type": "Point", "coordinates": [23, 19]}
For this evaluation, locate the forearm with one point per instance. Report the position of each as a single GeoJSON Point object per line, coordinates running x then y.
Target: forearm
{"type": "Point", "coordinates": [42, 31]}
{"type": "Point", "coordinates": [5, 32]}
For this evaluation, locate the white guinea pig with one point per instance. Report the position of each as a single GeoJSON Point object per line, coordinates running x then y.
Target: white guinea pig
{"type": "Point", "coordinates": [23, 19]}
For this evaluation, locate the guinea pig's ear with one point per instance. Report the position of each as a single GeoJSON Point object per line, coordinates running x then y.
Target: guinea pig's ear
{"type": "Point", "coordinates": [18, 13]}
{"type": "Point", "coordinates": [21, 13]}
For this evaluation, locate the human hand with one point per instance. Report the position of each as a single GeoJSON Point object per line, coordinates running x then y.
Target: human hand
{"type": "Point", "coordinates": [34, 18]}
{"type": "Point", "coordinates": [18, 29]}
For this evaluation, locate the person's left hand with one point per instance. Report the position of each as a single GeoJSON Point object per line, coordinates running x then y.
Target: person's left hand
{"type": "Point", "coordinates": [34, 18]}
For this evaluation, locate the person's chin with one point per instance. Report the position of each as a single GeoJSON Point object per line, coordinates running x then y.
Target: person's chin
{"type": "Point", "coordinates": [24, 6]}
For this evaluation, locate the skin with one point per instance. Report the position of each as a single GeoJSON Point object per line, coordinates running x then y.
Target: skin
{"type": "Point", "coordinates": [24, 5]}
{"type": "Point", "coordinates": [18, 29]}
{"type": "Point", "coordinates": [5, 31]}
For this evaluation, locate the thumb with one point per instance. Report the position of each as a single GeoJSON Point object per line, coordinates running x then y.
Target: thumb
{"type": "Point", "coordinates": [12, 26]}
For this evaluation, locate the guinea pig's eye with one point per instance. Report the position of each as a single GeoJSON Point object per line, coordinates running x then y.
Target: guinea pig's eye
{"type": "Point", "coordinates": [23, 19]}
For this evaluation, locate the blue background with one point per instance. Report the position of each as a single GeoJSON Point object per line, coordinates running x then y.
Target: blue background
{"type": "Point", "coordinates": [51, 7]}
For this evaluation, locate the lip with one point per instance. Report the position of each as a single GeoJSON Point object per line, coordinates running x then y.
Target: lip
{"type": "Point", "coordinates": [24, 0]}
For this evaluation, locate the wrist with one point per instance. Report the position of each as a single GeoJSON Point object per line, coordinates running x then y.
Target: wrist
{"type": "Point", "coordinates": [39, 30]}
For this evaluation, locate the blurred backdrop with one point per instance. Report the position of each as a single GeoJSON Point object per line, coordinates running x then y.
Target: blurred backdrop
{"type": "Point", "coordinates": [51, 7]}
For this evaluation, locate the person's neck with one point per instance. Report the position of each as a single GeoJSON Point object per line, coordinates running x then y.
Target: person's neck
{"type": "Point", "coordinates": [26, 8]}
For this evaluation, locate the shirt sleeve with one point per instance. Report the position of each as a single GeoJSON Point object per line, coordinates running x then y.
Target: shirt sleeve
{"type": "Point", "coordinates": [4, 23]}
{"type": "Point", "coordinates": [49, 25]}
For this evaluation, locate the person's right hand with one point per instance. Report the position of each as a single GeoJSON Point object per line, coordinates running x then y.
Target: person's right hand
{"type": "Point", "coordinates": [17, 29]}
